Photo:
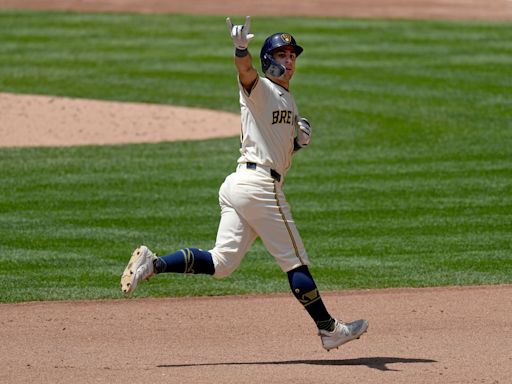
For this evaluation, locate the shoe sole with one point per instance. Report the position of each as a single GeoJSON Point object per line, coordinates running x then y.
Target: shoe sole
{"type": "Point", "coordinates": [128, 273]}
{"type": "Point", "coordinates": [354, 338]}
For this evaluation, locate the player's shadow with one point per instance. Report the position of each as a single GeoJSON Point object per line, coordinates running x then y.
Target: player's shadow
{"type": "Point", "coordinates": [379, 363]}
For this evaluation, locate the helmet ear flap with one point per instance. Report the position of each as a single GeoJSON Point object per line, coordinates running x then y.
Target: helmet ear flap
{"type": "Point", "coordinates": [271, 67]}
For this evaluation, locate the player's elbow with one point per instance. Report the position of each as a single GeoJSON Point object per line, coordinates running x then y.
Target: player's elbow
{"type": "Point", "coordinates": [248, 78]}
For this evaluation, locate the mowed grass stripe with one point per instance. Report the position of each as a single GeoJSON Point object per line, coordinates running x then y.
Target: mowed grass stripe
{"type": "Point", "coordinates": [407, 181]}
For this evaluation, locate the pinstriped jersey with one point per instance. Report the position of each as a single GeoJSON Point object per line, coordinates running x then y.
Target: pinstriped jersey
{"type": "Point", "coordinates": [269, 116]}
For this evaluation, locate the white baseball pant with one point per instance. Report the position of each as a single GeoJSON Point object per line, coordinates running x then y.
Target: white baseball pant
{"type": "Point", "coordinates": [253, 204]}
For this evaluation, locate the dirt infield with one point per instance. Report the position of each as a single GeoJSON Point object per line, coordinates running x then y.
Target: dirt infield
{"type": "Point", "coordinates": [432, 335]}
{"type": "Point", "coordinates": [29, 120]}
{"type": "Point", "coordinates": [414, 9]}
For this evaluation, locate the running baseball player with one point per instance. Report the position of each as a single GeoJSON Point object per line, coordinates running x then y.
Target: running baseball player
{"type": "Point", "coordinates": [251, 198]}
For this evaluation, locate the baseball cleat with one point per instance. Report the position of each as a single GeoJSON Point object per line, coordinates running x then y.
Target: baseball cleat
{"type": "Point", "coordinates": [140, 267]}
{"type": "Point", "coordinates": [342, 333]}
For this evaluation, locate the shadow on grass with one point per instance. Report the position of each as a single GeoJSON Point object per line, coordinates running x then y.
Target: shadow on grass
{"type": "Point", "coordinates": [379, 363]}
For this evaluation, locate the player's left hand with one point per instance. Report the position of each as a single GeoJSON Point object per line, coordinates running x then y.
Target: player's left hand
{"type": "Point", "coordinates": [240, 33]}
{"type": "Point", "coordinates": [304, 131]}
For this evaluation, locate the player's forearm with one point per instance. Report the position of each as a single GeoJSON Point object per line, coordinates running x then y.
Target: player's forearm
{"type": "Point", "coordinates": [246, 71]}
{"type": "Point", "coordinates": [243, 60]}
{"type": "Point", "coordinates": [241, 37]}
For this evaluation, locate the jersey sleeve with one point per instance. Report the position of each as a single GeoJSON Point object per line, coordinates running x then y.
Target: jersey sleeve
{"type": "Point", "coordinates": [259, 92]}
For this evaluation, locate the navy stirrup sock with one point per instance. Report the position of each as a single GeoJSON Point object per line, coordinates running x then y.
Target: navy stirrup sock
{"type": "Point", "coordinates": [188, 260]}
{"type": "Point", "coordinates": [304, 288]}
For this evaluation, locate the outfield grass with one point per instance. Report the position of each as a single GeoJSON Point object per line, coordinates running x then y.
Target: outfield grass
{"type": "Point", "coordinates": [408, 181]}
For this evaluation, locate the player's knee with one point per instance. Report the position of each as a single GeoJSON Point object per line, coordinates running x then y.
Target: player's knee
{"type": "Point", "coordinates": [302, 284]}
{"type": "Point", "coordinates": [223, 270]}
{"type": "Point", "coordinates": [224, 265]}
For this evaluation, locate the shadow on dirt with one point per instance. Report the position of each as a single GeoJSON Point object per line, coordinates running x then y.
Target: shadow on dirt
{"type": "Point", "coordinates": [379, 363]}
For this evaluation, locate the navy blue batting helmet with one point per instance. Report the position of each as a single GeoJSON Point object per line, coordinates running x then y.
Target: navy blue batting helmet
{"type": "Point", "coordinates": [277, 40]}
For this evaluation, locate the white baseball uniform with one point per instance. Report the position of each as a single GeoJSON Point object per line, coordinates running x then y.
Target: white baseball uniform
{"type": "Point", "coordinates": [252, 202]}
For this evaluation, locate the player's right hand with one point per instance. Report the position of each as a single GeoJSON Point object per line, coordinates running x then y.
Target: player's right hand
{"type": "Point", "coordinates": [240, 33]}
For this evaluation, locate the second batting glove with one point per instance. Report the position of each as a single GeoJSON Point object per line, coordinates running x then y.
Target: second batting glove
{"type": "Point", "coordinates": [304, 131]}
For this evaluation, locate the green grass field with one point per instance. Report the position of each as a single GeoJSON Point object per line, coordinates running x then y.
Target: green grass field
{"type": "Point", "coordinates": [408, 181]}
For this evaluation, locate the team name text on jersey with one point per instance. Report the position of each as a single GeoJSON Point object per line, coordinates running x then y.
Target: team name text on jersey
{"type": "Point", "coordinates": [282, 117]}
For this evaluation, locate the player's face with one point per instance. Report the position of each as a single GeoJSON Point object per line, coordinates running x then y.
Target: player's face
{"type": "Point", "coordinates": [286, 56]}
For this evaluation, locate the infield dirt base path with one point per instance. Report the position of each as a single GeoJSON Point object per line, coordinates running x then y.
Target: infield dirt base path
{"type": "Point", "coordinates": [432, 335]}
{"type": "Point", "coordinates": [421, 336]}
{"type": "Point", "coordinates": [413, 9]}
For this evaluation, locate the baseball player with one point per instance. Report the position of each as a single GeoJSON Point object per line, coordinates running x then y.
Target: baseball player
{"type": "Point", "coordinates": [251, 198]}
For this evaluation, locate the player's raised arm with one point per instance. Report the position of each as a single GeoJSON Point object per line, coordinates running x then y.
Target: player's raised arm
{"type": "Point", "coordinates": [241, 36]}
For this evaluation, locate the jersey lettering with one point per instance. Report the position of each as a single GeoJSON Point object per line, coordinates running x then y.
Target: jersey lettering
{"type": "Point", "coordinates": [282, 117]}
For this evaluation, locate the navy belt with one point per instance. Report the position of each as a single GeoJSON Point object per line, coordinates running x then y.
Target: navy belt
{"type": "Point", "coordinates": [275, 175]}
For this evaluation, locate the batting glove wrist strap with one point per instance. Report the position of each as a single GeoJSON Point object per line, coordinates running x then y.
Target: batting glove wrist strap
{"type": "Point", "coordinates": [241, 52]}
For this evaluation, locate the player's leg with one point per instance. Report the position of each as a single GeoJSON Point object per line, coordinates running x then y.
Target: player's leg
{"type": "Point", "coordinates": [144, 264]}
{"type": "Point", "coordinates": [277, 230]}
{"type": "Point", "coordinates": [332, 332]}
{"type": "Point", "coordinates": [234, 238]}
{"type": "Point", "coordinates": [234, 235]}
{"type": "Point", "coordinates": [187, 260]}
{"type": "Point", "coordinates": [305, 290]}
{"type": "Point", "coordinates": [282, 239]}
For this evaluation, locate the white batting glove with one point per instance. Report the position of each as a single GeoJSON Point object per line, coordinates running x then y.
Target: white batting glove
{"type": "Point", "coordinates": [304, 131]}
{"type": "Point", "coordinates": [240, 33]}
